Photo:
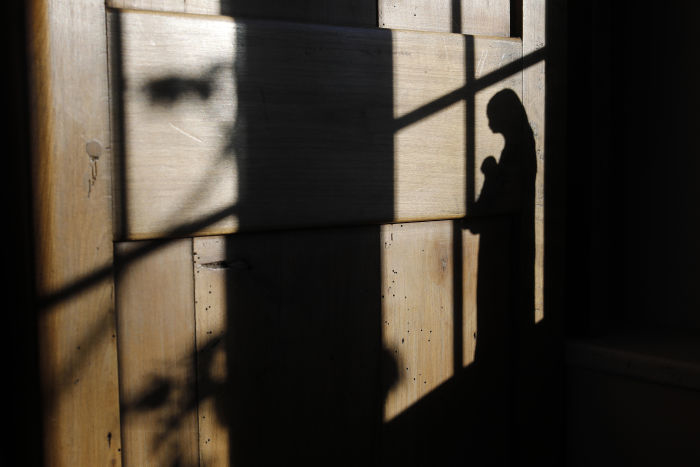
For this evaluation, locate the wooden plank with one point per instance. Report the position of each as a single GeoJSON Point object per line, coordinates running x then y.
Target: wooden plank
{"type": "Point", "coordinates": [339, 12]}
{"type": "Point", "coordinates": [441, 399]}
{"type": "Point", "coordinates": [417, 308]}
{"type": "Point", "coordinates": [534, 94]}
{"type": "Point", "coordinates": [210, 279]}
{"type": "Point", "coordinates": [71, 172]}
{"type": "Point", "coordinates": [155, 309]}
{"type": "Point", "coordinates": [478, 17]}
{"type": "Point", "coordinates": [294, 351]}
{"type": "Point", "coordinates": [305, 125]}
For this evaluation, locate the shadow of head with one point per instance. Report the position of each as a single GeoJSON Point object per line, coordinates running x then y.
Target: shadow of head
{"type": "Point", "coordinates": [506, 114]}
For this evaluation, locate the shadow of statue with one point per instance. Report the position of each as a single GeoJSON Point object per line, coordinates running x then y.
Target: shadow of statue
{"type": "Point", "coordinates": [504, 218]}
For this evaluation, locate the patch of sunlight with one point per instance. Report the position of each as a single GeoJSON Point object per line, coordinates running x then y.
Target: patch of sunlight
{"type": "Point", "coordinates": [417, 309]}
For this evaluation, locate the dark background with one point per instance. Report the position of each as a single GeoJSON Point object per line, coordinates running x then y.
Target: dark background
{"type": "Point", "coordinates": [633, 230]}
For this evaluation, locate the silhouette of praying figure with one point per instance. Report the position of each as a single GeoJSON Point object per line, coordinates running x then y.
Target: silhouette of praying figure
{"type": "Point", "coordinates": [509, 186]}
{"type": "Point", "coordinates": [504, 218]}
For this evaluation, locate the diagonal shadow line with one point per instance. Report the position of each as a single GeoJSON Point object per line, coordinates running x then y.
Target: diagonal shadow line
{"type": "Point", "coordinates": [469, 89]}
{"type": "Point", "coordinates": [104, 272]}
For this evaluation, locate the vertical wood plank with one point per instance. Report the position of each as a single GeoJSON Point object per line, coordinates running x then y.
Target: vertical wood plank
{"type": "Point", "coordinates": [210, 279]}
{"type": "Point", "coordinates": [155, 310]}
{"type": "Point", "coordinates": [534, 94]}
{"type": "Point", "coordinates": [417, 320]}
{"type": "Point", "coordinates": [478, 17]}
{"type": "Point", "coordinates": [470, 282]}
{"type": "Point", "coordinates": [289, 347]}
{"type": "Point", "coordinates": [445, 406]}
{"type": "Point", "coordinates": [71, 165]}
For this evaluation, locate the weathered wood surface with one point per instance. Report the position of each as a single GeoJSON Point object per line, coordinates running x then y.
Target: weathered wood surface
{"type": "Point", "coordinates": [478, 17]}
{"type": "Point", "coordinates": [210, 279]}
{"type": "Point", "coordinates": [70, 179]}
{"type": "Point", "coordinates": [448, 329]}
{"type": "Point", "coordinates": [233, 125]}
{"type": "Point", "coordinates": [288, 321]}
{"type": "Point", "coordinates": [339, 12]}
{"type": "Point", "coordinates": [156, 324]}
{"type": "Point", "coordinates": [417, 308]}
{"type": "Point", "coordinates": [212, 7]}
{"type": "Point", "coordinates": [289, 346]}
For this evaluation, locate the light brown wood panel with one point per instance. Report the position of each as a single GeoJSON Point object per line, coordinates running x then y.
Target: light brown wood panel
{"type": "Point", "coordinates": [431, 313]}
{"type": "Point", "coordinates": [289, 346]}
{"type": "Point", "coordinates": [158, 5]}
{"type": "Point", "coordinates": [71, 172]}
{"type": "Point", "coordinates": [417, 308]}
{"type": "Point", "coordinates": [210, 279]}
{"type": "Point", "coordinates": [260, 125]}
{"type": "Point", "coordinates": [482, 17]}
{"type": "Point", "coordinates": [341, 12]}
{"type": "Point", "coordinates": [155, 312]}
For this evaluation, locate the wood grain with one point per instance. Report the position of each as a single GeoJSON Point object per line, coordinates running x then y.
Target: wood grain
{"type": "Point", "coordinates": [339, 12]}
{"type": "Point", "coordinates": [155, 310]}
{"type": "Point", "coordinates": [289, 346]}
{"type": "Point", "coordinates": [478, 17]}
{"type": "Point", "coordinates": [210, 279]}
{"type": "Point", "coordinates": [264, 125]}
{"type": "Point", "coordinates": [534, 95]}
{"type": "Point", "coordinates": [418, 309]}
{"type": "Point", "coordinates": [71, 173]}
{"type": "Point", "coordinates": [447, 331]}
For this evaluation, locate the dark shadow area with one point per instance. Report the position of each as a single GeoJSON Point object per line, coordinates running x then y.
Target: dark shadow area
{"type": "Point", "coordinates": [22, 443]}
{"type": "Point", "coordinates": [633, 255]}
{"type": "Point", "coordinates": [303, 341]}
{"type": "Point", "coordinates": [341, 13]}
{"type": "Point", "coordinates": [304, 348]}
{"type": "Point", "coordinates": [336, 86]}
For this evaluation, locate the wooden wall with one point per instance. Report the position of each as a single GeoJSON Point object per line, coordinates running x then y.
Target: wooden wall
{"type": "Point", "coordinates": [298, 309]}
